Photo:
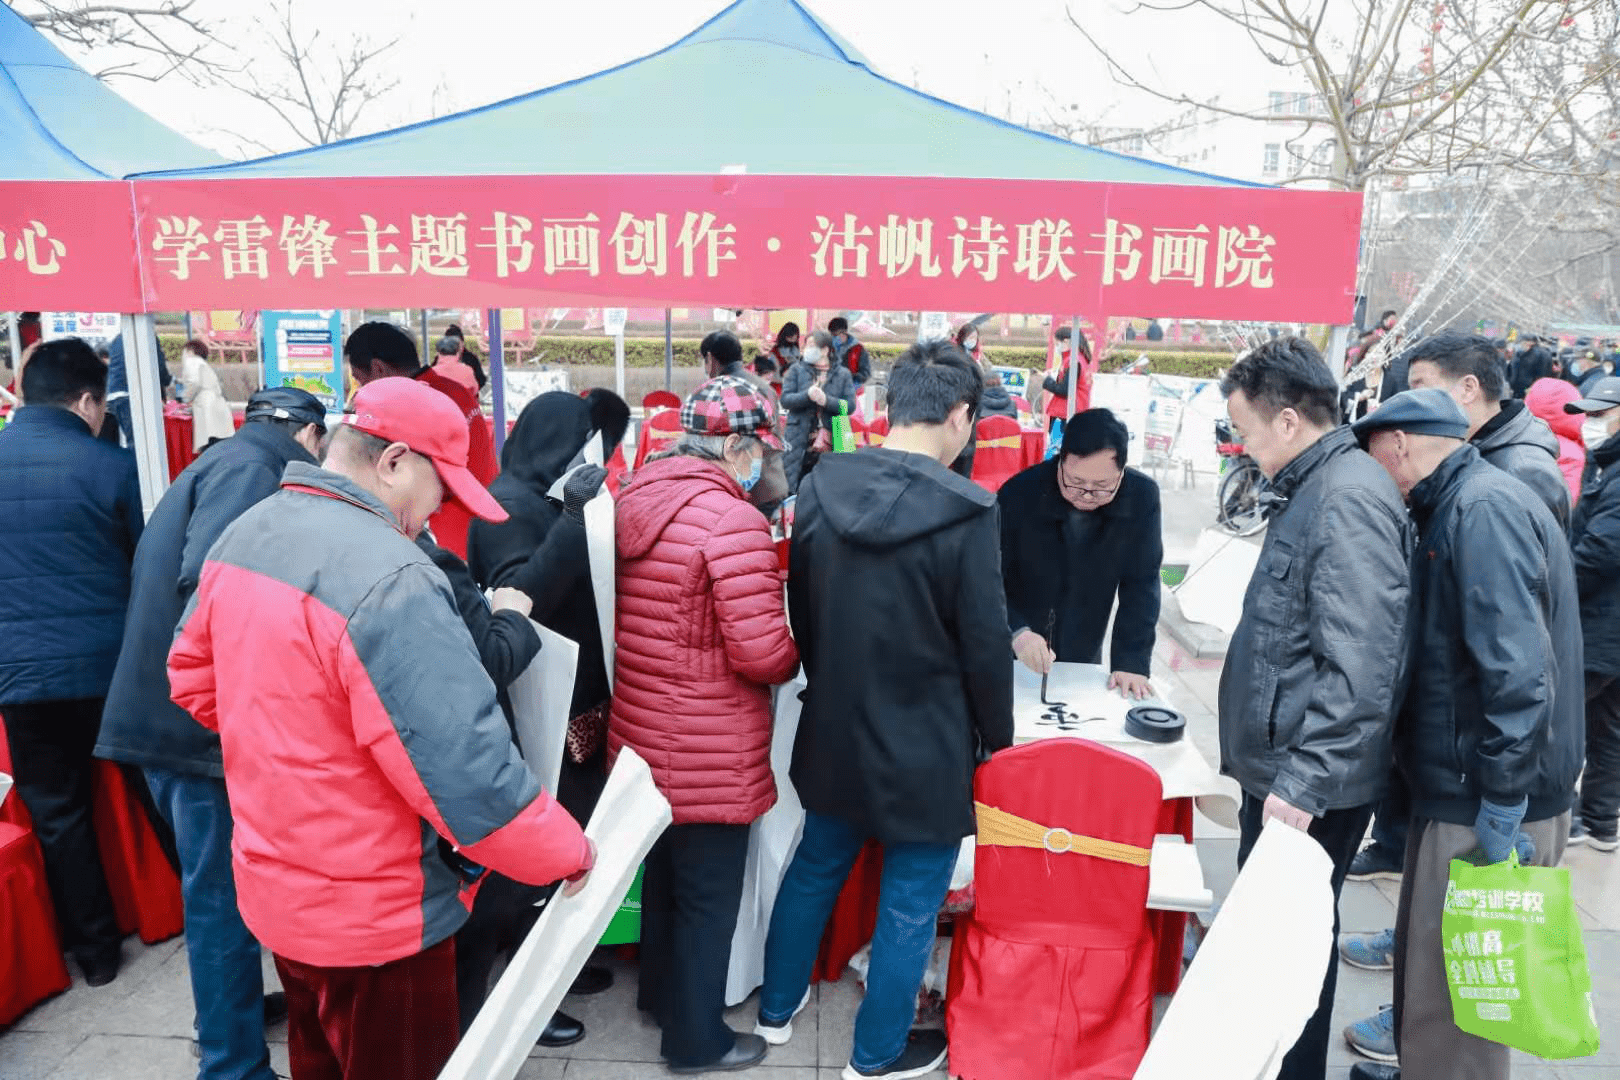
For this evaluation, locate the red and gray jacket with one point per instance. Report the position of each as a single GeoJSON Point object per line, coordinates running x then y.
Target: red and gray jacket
{"type": "Point", "coordinates": [357, 725]}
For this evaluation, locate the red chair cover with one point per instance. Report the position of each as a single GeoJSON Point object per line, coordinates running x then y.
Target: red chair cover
{"type": "Point", "coordinates": [877, 431]}
{"type": "Point", "coordinates": [1052, 974]}
{"type": "Point", "coordinates": [998, 455]}
{"type": "Point", "coordinates": [658, 433]}
{"type": "Point", "coordinates": [31, 967]}
{"type": "Point", "coordinates": [660, 399]}
{"type": "Point", "coordinates": [145, 892]}
{"type": "Point", "coordinates": [616, 468]}
{"type": "Point", "coordinates": [854, 917]}
{"type": "Point", "coordinates": [859, 429]}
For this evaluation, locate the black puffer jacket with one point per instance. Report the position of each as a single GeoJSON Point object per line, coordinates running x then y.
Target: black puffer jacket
{"type": "Point", "coordinates": [897, 704]}
{"type": "Point", "coordinates": [1522, 445]}
{"type": "Point", "coordinates": [1595, 539]}
{"type": "Point", "coordinates": [539, 549]}
{"type": "Point", "coordinates": [141, 725]}
{"type": "Point", "coordinates": [1495, 705]}
{"type": "Point", "coordinates": [1307, 696]}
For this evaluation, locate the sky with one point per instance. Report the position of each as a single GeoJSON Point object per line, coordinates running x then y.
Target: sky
{"type": "Point", "coordinates": [1001, 56]}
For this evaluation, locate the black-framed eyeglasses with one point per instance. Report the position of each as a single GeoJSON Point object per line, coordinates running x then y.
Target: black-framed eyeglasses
{"type": "Point", "coordinates": [1091, 492]}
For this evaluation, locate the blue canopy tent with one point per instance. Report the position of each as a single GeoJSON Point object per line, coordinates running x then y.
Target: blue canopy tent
{"type": "Point", "coordinates": [66, 144]}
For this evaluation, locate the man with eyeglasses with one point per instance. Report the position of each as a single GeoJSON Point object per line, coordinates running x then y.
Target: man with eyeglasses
{"type": "Point", "coordinates": [1077, 532]}
{"type": "Point", "coordinates": [1307, 695]}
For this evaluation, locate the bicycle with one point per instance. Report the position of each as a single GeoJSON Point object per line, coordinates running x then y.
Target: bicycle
{"type": "Point", "coordinates": [1238, 508]}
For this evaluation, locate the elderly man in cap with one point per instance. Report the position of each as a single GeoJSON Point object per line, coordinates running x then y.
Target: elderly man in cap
{"type": "Point", "coordinates": [356, 722]}
{"type": "Point", "coordinates": [1489, 736]}
{"type": "Point", "coordinates": [1595, 539]}
{"type": "Point", "coordinates": [142, 727]}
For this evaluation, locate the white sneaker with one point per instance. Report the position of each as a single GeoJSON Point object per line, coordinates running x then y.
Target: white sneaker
{"type": "Point", "coordinates": [779, 1034]}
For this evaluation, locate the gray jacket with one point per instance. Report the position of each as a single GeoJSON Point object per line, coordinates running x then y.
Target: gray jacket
{"type": "Point", "coordinates": [1307, 695]}
{"type": "Point", "coordinates": [1522, 445]}
{"type": "Point", "coordinates": [804, 416]}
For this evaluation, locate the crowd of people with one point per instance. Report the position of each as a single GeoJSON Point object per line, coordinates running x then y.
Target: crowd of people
{"type": "Point", "coordinates": [301, 661]}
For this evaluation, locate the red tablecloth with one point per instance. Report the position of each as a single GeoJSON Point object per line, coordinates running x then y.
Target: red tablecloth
{"type": "Point", "coordinates": [854, 917]}
{"type": "Point", "coordinates": [1032, 445]}
{"type": "Point", "coordinates": [177, 436]}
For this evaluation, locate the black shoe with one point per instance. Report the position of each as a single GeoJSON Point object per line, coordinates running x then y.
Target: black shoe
{"type": "Point", "coordinates": [592, 980]}
{"type": "Point", "coordinates": [1371, 1070]}
{"type": "Point", "coordinates": [275, 1008]}
{"type": "Point", "coordinates": [563, 1030]}
{"type": "Point", "coordinates": [925, 1052]}
{"type": "Point", "coordinates": [101, 972]}
{"type": "Point", "coordinates": [1604, 842]}
{"type": "Point", "coordinates": [1374, 862]}
{"type": "Point", "coordinates": [745, 1053]}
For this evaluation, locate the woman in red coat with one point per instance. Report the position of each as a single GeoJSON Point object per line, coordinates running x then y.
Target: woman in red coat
{"type": "Point", "coordinates": [702, 636]}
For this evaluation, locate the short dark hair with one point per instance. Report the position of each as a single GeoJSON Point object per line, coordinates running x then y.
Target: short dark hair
{"type": "Point", "coordinates": [449, 345]}
{"type": "Point", "coordinates": [1063, 332]}
{"type": "Point", "coordinates": [60, 372]}
{"type": "Point", "coordinates": [454, 330]}
{"type": "Point", "coordinates": [198, 346]}
{"type": "Point", "coordinates": [1093, 431]}
{"type": "Point", "coordinates": [837, 325]}
{"type": "Point", "coordinates": [789, 330]}
{"type": "Point", "coordinates": [382, 341]}
{"type": "Point", "coordinates": [764, 365]}
{"type": "Point", "coordinates": [610, 416]}
{"type": "Point", "coordinates": [1458, 355]}
{"type": "Point", "coordinates": [929, 380]}
{"type": "Point", "coordinates": [1287, 373]}
{"type": "Point", "coordinates": [723, 346]}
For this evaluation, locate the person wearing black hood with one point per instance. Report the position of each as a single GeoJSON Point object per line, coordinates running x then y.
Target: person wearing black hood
{"type": "Point", "coordinates": [886, 751]}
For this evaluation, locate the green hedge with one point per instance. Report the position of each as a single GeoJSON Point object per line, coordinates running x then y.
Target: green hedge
{"type": "Point", "coordinates": [649, 353]}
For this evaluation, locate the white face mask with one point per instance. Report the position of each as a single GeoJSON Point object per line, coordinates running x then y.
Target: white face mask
{"type": "Point", "coordinates": [970, 344]}
{"type": "Point", "coordinates": [812, 355]}
{"type": "Point", "coordinates": [1594, 432]}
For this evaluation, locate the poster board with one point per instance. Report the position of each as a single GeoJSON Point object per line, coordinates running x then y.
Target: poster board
{"type": "Point", "coordinates": [1015, 380]}
{"type": "Point", "coordinates": [1258, 974]}
{"type": "Point", "coordinates": [541, 698]}
{"type": "Point", "coordinates": [629, 818]}
{"type": "Point", "coordinates": [304, 349]}
{"type": "Point", "coordinates": [96, 328]}
{"type": "Point", "coordinates": [523, 387]}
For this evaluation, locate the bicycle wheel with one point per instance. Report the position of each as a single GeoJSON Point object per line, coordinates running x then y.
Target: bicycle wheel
{"type": "Point", "coordinates": [1237, 500]}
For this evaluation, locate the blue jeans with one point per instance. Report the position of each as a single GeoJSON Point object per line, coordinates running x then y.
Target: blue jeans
{"type": "Point", "coordinates": [227, 982]}
{"type": "Point", "coordinates": [916, 878]}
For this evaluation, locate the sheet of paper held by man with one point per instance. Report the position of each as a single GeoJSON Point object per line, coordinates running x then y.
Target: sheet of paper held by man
{"type": "Point", "coordinates": [541, 698]}
{"type": "Point", "coordinates": [599, 545]}
{"type": "Point", "coordinates": [1258, 974]}
{"type": "Point", "coordinates": [631, 815]}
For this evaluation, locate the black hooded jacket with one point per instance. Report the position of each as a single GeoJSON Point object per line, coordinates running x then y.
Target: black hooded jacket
{"type": "Point", "coordinates": [896, 606]}
{"type": "Point", "coordinates": [540, 550]}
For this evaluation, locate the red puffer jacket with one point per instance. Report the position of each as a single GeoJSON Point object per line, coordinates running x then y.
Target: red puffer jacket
{"type": "Point", "coordinates": [702, 635]}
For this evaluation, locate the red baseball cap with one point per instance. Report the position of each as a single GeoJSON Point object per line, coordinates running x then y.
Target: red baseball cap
{"type": "Point", "coordinates": [413, 413]}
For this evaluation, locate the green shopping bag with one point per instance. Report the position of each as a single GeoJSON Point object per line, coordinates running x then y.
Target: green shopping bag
{"type": "Point", "coordinates": [1515, 962]}
{"type": "Point", "coordinates": [843, 432]}
{"type": "Point", "coordinates": [625, 929]}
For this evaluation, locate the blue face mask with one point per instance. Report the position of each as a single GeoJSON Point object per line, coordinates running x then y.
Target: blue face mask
{"type": "Point", "coordinates": [755, 466]}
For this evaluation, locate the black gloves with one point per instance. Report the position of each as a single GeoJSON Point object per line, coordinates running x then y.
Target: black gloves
{"type": "Point", "coordinates": [582, 486]}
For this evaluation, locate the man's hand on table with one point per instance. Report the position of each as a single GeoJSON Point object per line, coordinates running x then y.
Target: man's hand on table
{"type": "Point", "coordinates": [1035, 653]}
{"type": "Point", "coordinates": [1131, 685]}
{"type": "Point", "coordinates": [1285, 813]}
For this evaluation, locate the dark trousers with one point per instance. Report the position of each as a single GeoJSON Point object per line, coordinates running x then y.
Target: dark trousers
{"type": "Point", "coordinates": [1393, 817]}
{"type": "Point", "coordinates": [1339, 832]}
{"type": "Point", "coordinates": [51, 743]}
{"type": "Point", "coordinates": [503, 912]}
{"type": "Point", "coordinates": [1600, 783]}
{"type": "Point", "coordinates": [690, 894]}
{"type": "Point", "coordinates": [227, 978]}
{"type": "Point", "coordinates": [395, 1021]}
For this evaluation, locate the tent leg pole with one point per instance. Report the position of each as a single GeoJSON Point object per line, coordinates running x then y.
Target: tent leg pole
{"type": "Point", "coordinates": [669, 349]}
{"type": "Point", "coordinates": [618, 363]}
{"type": "Point", "coordinates": [1338, 342]}
{"type": "Point", "coordinates": [421, 319]}
{"type": "Point", "coordinates": [497, 378]}
{"type": "Point", "coordinates": [141, 360]}
{"type": "Point", "coordinates": [15, 336]}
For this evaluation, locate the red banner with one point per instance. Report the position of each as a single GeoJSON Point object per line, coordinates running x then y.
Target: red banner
{"type": "Point", "coordinates": [1258, 254]}
{"type": "Point", "coordinates": [68, 245]}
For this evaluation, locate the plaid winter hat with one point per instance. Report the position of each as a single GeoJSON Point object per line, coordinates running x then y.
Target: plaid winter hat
{"type": "Point", "coordinates": [729, 405]}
